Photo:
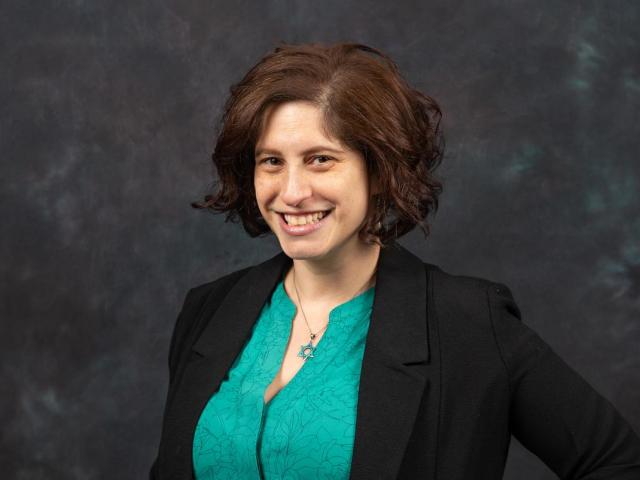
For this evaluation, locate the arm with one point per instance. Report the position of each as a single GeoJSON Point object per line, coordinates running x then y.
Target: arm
{"type": "Point", "coordinates": [554, 412]}
{"type": "Point", "coordinates": [177, 337]}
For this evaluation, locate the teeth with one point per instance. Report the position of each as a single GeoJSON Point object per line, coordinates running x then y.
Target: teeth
{"type": "Point", "coordinates": [304, 219]}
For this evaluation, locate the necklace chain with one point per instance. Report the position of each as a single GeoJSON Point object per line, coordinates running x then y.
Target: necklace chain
{"type": "Point", "coordinates": [310, 347]}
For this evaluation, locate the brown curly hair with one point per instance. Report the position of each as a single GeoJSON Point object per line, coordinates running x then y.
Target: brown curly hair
{"type": "Point", "coordinates": [366, 104]}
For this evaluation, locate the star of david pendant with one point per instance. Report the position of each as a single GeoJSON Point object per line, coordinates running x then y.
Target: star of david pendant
{"type": "Point", "coordinates": [306, 351]}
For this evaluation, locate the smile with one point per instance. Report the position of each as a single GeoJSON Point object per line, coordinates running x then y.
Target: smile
{"type": "Point", "coordinates": [305, 219]}
{"type": "Point", "coordinates": [303, 224]}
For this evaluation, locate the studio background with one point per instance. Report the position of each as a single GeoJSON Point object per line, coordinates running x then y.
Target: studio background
{"type": "Point", "coordinates": [108, 120]}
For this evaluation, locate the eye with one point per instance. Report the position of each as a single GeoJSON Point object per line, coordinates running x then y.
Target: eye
{"type": "Point", "coordinates": [266, 160]}
{"type": "Point", "coordinates": [322, 156]}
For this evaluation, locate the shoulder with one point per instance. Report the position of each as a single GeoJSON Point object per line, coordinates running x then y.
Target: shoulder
{"type": "Point", "coordinates": [212, 292]}
{"type": "Point", "coordinates": [461, 289]}
{"type": "Point", "coordinates": [471, 305]}
{"type": "Point", "coordinates": [476, 314]}
{"type": "Point", "coordinates": [218, 286]}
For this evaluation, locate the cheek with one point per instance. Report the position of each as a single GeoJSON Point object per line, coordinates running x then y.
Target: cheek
{"type": "Point", "coordinates": [262, 188]}
{"type": "Point", "coordinates": [359, 207]}
{"type": "Point", "coordinates": [353, 193]}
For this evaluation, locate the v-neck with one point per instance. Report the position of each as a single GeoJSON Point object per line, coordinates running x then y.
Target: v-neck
{"type": "Point", "coordinates": [240, 436]}
{"type": "Point", "coordinates": [283, 311]}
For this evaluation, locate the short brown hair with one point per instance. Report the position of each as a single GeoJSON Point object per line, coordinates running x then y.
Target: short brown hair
{"type": "Point", "coordinates": [367, 105]}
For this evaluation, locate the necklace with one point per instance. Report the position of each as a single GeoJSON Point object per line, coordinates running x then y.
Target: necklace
{"type": "Point", "coordinates": [307, 351]}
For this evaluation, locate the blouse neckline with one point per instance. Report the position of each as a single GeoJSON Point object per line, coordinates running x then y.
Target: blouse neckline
{"type": "Point", "coordinates": [352, 308]}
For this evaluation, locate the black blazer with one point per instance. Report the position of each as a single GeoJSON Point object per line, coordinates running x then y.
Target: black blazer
{"type": "Point", "coordinates": [449, 373]}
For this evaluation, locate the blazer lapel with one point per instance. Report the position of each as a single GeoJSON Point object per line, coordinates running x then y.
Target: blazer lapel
{"type": "Point", "coordinates": [394, 368]}
{"type": "Point", "coordinates": [393, 375]}
{"type": "Point", "coordinates": [212, 355]}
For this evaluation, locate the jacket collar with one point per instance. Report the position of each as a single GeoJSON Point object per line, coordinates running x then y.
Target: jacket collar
{"type": "Point", "coordinates": [394, 373]}
{"type": "Point", "coordinates": [398, 322]}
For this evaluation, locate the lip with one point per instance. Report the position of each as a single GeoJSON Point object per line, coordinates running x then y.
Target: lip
{"type": "Point", "coordinates": [298, 230]}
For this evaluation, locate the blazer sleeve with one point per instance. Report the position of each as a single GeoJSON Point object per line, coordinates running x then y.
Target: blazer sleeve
{"type": "Point", "coordinates": [183, 325]}
{"type": "Point", "coordinates": [180, 329]}
{"type": "Point", "coordinates": [553, 411]}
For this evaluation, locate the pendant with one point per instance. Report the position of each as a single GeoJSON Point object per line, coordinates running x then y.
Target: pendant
{"type": "Point", "coordinates": [306, 351]}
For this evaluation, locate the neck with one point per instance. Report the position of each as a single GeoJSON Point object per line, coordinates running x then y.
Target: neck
{"type": "Point", "coordinates": [339, 278]}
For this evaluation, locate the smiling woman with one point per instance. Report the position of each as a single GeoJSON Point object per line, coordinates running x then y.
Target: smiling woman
{"type": "Point", "coordinates": [339, 102]}
{"type": "Point", "coordinates": [345, 355]}
{"type": "Point", "coordinates": [313, 208]}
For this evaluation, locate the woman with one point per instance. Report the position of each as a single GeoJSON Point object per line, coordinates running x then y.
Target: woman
{"type": "Point", "coordinates": [345, 355]}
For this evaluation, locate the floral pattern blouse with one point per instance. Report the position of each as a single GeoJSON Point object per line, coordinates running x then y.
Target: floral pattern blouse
{"type": "Point", "coordinates": [307, 430]}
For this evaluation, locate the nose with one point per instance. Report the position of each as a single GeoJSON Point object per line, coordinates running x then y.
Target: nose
{"type": "Point", "coordinates": [295, 187]}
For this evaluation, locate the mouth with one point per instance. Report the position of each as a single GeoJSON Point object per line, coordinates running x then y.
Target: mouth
{"type": "Point", "coordinates": [325, 214]}
{"type": "Point", "coordinates": [307, 228]}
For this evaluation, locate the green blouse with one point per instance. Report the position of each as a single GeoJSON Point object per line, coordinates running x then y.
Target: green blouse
{"type": "Point", "coordinates": [307, 430]}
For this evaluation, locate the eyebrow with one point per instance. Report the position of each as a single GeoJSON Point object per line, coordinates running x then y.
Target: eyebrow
{"type": "Point", "coordinates": [308, 151]}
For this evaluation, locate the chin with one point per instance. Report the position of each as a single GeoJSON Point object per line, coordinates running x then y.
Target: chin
{"type": "Point", "coordinates": [302, 252]}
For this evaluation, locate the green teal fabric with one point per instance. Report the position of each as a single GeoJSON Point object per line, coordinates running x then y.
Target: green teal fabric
{"type": "Point", "coordinates": [307, 430]}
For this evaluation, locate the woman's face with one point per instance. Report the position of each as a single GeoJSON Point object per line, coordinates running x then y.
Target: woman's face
{"type": "Point", "coordinates": [298, 169]}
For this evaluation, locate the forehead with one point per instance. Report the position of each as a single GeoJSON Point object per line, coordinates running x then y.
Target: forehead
{"type": "Point", "coordinates": [294, 125]}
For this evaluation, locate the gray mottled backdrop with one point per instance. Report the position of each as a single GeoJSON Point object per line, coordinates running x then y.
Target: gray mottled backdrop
{"type": "Point", "coordinates": [107, 112]}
